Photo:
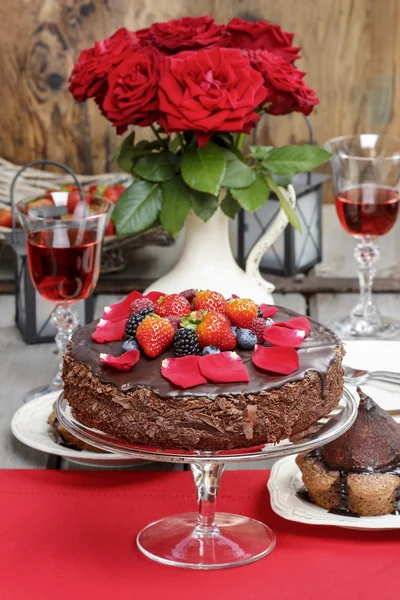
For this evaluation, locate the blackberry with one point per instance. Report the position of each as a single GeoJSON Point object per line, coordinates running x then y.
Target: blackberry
{"type": "Point", "coordinates": [186, 342]}
{"type": "Point", "coordinates": [135, 320]}
{"type": "Point", "coordinates": [259, 312]}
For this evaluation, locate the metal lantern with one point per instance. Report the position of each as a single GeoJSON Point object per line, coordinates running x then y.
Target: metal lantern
{"type": "Point", "coordinates": [32, 312]}
{"type": "Point", "coordinates": [293, 252]}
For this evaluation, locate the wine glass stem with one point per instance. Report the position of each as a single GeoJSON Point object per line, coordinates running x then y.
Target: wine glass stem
{"type": "Point", "coordinates": [206, 478]}
{"type": "Point", "coordinates": [366, 253]}
{"type": "Point", "coordinates": [66, 320]}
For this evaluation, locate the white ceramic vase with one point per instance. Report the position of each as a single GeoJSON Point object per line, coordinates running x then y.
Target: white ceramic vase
{"type": "Point", "coordinates": [207, 261]}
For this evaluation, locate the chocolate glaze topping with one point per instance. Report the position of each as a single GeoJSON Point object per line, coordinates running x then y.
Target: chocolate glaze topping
{"type": "Point", "coordinates": [372, 444]}
{"type": "Point", "coordinates": [316, 354]}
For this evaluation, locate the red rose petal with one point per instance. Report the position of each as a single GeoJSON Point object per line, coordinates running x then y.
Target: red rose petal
{"type": "Point", "coordinates": [119, 311]}
{"type": "Point", "coordinates": [225, 367]}
{"type": "Point", "coordinates": [283, 336]}
{"type": "Point", "coordinates": [154, 296]}
{"type": "Point", "coordinates": [123, 362]}
{"type": "Point", "coordinates": [183, 372]}
{"type": "Point", "coordinates": [275, 359]}
{"type": "Point", "coordinates": [235, 296]}
{"type": "Point", "coordinates": [297, 323]}
{"type": "Point", "coordinates": [107, 331]}
{"type": "Point", "coordinates": [268, 310]}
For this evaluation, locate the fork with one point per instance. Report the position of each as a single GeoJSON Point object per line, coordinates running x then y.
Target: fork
{"type": "Point", "coordinates": [360, 376]}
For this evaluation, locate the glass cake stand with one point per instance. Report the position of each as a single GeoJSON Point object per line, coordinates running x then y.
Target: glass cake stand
{"type": "Point", "coordinates": [210, 540]}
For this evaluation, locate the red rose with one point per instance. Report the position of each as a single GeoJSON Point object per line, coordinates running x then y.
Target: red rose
{"type": "Point", "coordinates": [188, 33]}
{"type": "Point", "coordinates": [131, 98]}
{"type": "Point", "coordinates": [287, 91]}
{"type": "Point", "coordinates": [262, 36]}
{"type": "Point", "coordinates": [89, 75]}
{"type": "Point", "coordinates": [209, 90]}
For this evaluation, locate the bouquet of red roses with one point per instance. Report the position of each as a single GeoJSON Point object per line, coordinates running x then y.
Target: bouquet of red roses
{"type": "Point", "coordinates": [201, 87]}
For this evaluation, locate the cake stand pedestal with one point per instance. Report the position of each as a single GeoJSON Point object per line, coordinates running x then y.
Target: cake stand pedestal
{"type": "Point", "coordinates": [210, 540]}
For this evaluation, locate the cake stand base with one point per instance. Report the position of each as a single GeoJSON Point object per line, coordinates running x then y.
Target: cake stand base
{"type": "Point", "coordinates": [232, 541]}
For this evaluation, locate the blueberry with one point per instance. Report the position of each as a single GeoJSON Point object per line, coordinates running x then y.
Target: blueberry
{"type": "Point", "coordinates": [234, 329]}
{"type": "Point", "coordinates": [269, 322]}
{"type": "Point", "coordinates": [210, 350]}
{"type": "Point", "coordinates": [246, 339]}
{"type": "Point", "coordinates": [130, 344]}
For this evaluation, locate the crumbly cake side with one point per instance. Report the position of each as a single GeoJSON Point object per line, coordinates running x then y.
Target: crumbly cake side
{"type": "Point", "coordinates": [143, 417]}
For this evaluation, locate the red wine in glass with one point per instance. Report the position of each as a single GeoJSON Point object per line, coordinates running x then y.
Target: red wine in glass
{"type": "Point", "coordinates": [368, 211]}
{"type": "Point", "coordinates": [64, 263]}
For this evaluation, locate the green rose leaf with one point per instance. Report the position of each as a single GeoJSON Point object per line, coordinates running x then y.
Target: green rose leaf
{"type": "Point", "coordinates": [137, 208]}
{"type": "Point", "coordinates": [283, 180]}
{"type": "Point", "coordinates": [237, 173]}
{"type": "Point", "coordinates": [176, 205]}
{"type": "Point", "coordinates": [230, 206]}
{"type": "Point", "coordinates": [204, 205]}
{"type": "Point", "coordinates": [260, 152]}
{"type": "Point", "coordinates": [291, 215]}
{"type": "Point", "coordinates": [203, 168]}
{"type": "Point", "coordinates": [156, 167]}
{"type": "Point", "coordinates": [254, 196]}
{"type": "Point", "coordinates": [124, 154]}
{"type": "Point", "coordinates": [295, 159]}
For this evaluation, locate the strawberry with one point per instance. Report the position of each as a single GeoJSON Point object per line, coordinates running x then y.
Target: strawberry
{"type": "Point", "coordinates": [154, 335]}
{"type": "Point", "coordinates": [5, 218]}
{"type": "Point", "coordinates": [214, 330]}
{"type": "Point", "coordinates": [173, 305]}
{"type": "Point", "coordinates": [241, 311]}
{"type": "Point", "coordinates": [74, 199]}
{"type": "Point", "coordinates": [110, 229]}
{"type": "Point", "coordinates": [113, 192]}
{"type": "Point", "coordinates": [258, 326]}
{"type": "Point", "coordinates": [208, 300]}
{"type": "Point", "coordinates": [140, 303]}
{"type": "Point", "coordinates": [44, 201]}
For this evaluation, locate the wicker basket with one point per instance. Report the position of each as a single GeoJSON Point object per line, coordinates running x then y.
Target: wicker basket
{"type": "Point", "coordinates": [35, 182]}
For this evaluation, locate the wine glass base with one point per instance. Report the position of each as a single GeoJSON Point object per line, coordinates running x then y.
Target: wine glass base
{"type": "Point", "coordinates": [41, 391]}
{"type": "Point", "coordinates": [385, 329]}
{"type": "Point", "coordinates": [174, 541]}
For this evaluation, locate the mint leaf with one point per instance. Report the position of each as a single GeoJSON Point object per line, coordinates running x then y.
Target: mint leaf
{"type": "Point", "coordinates": [237, 173]}
{"type": "Point", "coordinates": [291, 215]}
{"type": "Point", "coordinates": [124, 153]}
{"type": "Point", "coordinates": [203, 168]}
{"type": "Point", "coordinates": [254, 196]}
{"type": "Point", "coordinates": [230, 206]}
{"type": "Point", "coordinates": [260, 152]}
{"type": "Point", "coordinates": [295, 159]}
{"type": "Point", "coordinates": [176, 205]}
{"type": "Point", "coordinates": [137, 207]}
{"type": "Point", "coordinates": [204, 205]}
{"type": "Point", "coordinates": [157, 166]}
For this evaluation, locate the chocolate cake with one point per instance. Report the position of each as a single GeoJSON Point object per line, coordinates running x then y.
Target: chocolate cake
{"type": "Point", "coordinates": [358, 473]}
{"type": "Point", "coordinates": [142, 407]}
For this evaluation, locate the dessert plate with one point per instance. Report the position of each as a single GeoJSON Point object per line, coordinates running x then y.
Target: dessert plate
{"type": "Point", "coordinates": [29, 425]}
{"type": "Point", "coordinates": [376, 355]}
{"type": "Point", "coordinates": [284, 483]}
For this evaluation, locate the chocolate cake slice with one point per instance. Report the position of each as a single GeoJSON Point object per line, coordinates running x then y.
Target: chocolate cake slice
{"type": "Point", "coordinates": [358, 473]}
{"type": "Point", "coordinates": [142, 407]}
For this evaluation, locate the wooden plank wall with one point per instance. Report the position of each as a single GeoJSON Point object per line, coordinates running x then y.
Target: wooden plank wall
{"type": "Point", "coordinates": [351, 51]}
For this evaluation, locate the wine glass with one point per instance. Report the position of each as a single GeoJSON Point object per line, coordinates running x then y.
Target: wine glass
{"type": "Point", "coordinates": [64, 256]}
{"type": "Point", "coordinates": [366, 175]}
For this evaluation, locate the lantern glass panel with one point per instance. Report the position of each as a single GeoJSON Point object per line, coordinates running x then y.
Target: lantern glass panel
{"type": "Point", "coordinates": [307, 243]}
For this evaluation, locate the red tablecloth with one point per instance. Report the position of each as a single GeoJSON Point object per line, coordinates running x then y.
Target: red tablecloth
{"type": "Point", "coordinates": [72, 535]}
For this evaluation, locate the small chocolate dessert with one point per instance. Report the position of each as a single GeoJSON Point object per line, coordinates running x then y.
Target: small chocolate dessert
{"type": "Point", "coordinates": [358, 473]}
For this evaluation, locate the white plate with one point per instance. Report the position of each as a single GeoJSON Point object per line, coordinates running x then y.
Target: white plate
{"type": "Point", "coordinates": [29, 425]}
{"type": "Point", "coordinates": [376, 355]}
{"type": "Point", "coordinates": [284, 483]}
